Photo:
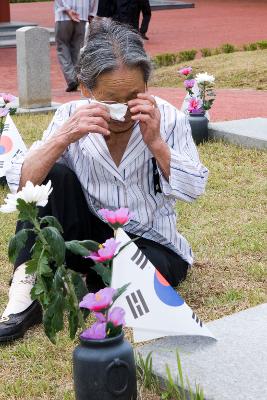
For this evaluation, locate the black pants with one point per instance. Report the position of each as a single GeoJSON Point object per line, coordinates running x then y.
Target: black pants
{"type": "Point", "coordinates": [144, 8]}
{"type": "Point", "coordinates": [67, 203]}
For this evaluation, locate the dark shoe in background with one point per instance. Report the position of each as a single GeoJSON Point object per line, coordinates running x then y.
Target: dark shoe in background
{"type": "Point", "coordinates": [73, 86]}
{"type": "Point", "coordinates": [144, 36]}
{"type": "Point", "coordinates": [15, 325]}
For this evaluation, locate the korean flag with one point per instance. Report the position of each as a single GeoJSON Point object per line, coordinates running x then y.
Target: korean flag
{"type": "Point", "coordinates": [153, 308]}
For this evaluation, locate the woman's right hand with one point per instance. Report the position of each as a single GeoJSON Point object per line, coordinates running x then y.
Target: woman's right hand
{"type": "Point", "coordinates": [91, 118]}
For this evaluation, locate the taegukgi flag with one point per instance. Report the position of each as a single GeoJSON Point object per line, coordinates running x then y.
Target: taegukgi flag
{"type": "Point", "coordinates": [153, 308]}
{"type": "Point", "coordinates": [11, 144]}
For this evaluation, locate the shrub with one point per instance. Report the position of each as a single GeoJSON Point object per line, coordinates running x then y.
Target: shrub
{"type": "Point", "coordinates": [262, 44]}
{"type": "Point", "coordinates": [227, 48]}
{"type": "Point", "coordinates": [187, 55]}
{"type": "Point", "coordinates": [250, 46]}
{"type": "Point", "coordinates": [217, 51]}
{"type": "Point", "coordinates": [206, 52]}
{"type": "Point", "coordinates": [165, 59]}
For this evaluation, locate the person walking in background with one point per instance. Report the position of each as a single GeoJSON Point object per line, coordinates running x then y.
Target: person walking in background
{"type": "Point", "coordinates": [143, 6]}
{"type": "Point", "coordinates": [126, 12]}
{"type": "Point", "coordinates": [70, 19]}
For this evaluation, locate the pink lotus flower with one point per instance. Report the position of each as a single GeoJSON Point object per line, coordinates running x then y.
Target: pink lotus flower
{"type": "Point", "coordinates": [7, 97]}
{"type": "Point", "coordinates": [3, 112]}
{"type": "Point", "coordinates": [194, 105]}
{"type": "Point", "coordinates": [185, 71]}
{"type": "Point", "coordinates": [98, 301]}
{"type": "Point", "coordinates": [189, 83]}
{"type": "Point", "coordinates": [116, 316]}
{"type": "Point", "coordinates": [97, 331]}
{"type": "Point", "coordinates": [116, 218]}
{"type": "Point", "coordinates": [105, 252]}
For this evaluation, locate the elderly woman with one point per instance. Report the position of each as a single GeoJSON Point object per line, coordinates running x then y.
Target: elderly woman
{"type": "Point", "coordinates": [118, 147]}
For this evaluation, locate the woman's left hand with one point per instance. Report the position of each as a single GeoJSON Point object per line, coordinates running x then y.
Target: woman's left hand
{"type": "Point", "coordinates": [144, 109]}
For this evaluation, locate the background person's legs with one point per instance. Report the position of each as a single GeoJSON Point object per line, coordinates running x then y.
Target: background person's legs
{"type": "Point", "coordinates": [77, 41]}
{"type": "Point", "coordinates": [146, 16]}
{"type": "Point", "coordinates": [66, 50]}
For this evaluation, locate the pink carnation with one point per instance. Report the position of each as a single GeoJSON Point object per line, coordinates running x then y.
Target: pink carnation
{"type": "Point", "coordinates": [98, 301]}
{"type": "Point", "coordinates": [189, 83]}
{"type": "Point", "coordinates": [97, 331]}
{"type": "Point", "coordinates": [116, 316]}
{"type": "Point", "coordinates": [7, 97]}
{"type": "Point", "coordinates": [116, 218]}
{"type": "Point", "coordinates": [106, 251]}
{"type": "Point", "coordinates": [185, 71]}
{"type": "Point", "coordinates": [194, 105]}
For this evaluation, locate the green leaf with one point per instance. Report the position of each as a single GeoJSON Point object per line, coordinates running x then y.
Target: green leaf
{"type": "Point", "coordinates": [27, 211]}
{"type": "Point", "coordinates": [51, 221]}
{"type": "Point", "coordinates": [104, 272]}
{"type": "Point", "coordinates": [56, 244]}
{"type": "Point", "coordinates": [75, 247]}
{"type": "Point", "coordinates": [79, 285]}
{"type": "Point", "coordinates": [16, 243]}
{"type": "Point", "coordinates": [120, 291]}
{"type": "Point", "coordinates": [73, 323]}
{"type": "Point", "coordinates": [113, 330]}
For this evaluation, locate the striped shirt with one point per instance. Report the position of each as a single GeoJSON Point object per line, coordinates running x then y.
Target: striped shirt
{"type": "Point", "coordinates": [84, 8]}
{"type": "Point", "coordinates": [131, 184]}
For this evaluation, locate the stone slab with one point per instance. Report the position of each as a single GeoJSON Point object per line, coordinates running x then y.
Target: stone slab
{"type": "Point", "coordinates": [40, 110]}
{"type": "Point", "coordinates": [232, 368]}
{"type": "Point", "coordinates": [251, 132]}
{"type": "Point", "coordinates": [157, 5]}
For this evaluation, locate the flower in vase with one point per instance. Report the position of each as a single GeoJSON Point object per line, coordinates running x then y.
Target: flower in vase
{"type": "Point", "coordinates": [195, 106]}
{"type": "Point", "coordinates": [96, 331]}
{"type": "Point", "coordinates": [185, 71]}
{"type": "Point", "coordinates": [116, 316]}
{"type": "Point", "coordinates": [189, 83]}
{"type": "Point", "coordinates": [98, 301]}
{"type": "Point", "coordinates": [116, 218]}
{"type": "Point", "coordinates": [7, 98]}
{"type": "Point", "coordinates": [106, 251]}
{"type": "Point", "coordinates": [204, 78]}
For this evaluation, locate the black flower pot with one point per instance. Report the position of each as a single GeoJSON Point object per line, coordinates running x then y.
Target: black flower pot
{"type": "Point", "coordinates": [104, 369]}
{"type": "Point", "coordinates": [199, 127]}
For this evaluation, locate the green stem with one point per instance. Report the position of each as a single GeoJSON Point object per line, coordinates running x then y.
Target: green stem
{"type": "Point", "coordinates": [71, 292]}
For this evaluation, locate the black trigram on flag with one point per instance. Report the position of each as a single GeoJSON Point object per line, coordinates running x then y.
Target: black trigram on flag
{"type": "Point", "coordinates": [140, 259]}
{"type": "Point", "coordinates": [198, 321]}
{"type": "Point", "coordinates": [137, 304]}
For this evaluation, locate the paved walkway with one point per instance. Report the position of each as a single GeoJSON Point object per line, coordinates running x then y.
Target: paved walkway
{"type": "Point", "coordinates": [209, 24]}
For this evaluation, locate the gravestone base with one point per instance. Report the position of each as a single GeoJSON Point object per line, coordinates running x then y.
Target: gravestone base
{"type": "Point", "coordinates": [231, 368]}
{"type": "Point", "coordinates": [250, 132]}
{"type": "Point", "coordinates": [40, 110]}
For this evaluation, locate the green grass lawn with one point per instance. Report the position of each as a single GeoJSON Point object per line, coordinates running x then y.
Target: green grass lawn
{"type": "Point", "coordinates": [240, 70]}
{"type": "Point", "coordinates": [226, 229]}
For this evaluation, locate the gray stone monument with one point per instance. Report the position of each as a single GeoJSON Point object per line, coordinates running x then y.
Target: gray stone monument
{"type": "Point", "coordinates": [33, 67]}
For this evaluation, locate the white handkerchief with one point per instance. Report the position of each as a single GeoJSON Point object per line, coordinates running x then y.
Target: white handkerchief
{"type": "Point", "coordinates": [117, 110]}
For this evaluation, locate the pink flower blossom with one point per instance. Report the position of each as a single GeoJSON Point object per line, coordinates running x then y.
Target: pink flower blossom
{"type": "Point", "coordinates": [98, 301]}
{"type": "Point", "coordinates": [194, 105]}
{"type": "Point", "coordinates": [3, 112]}
{"type": "Point", "coordinates": [185, 71]}
{"type": "Point", "coordinates": [116, 218]}
{"type": "Point", "coordinates": [7, 97]}
{"type": "Point", "coordinates": [189, 83]}
{"type": "Point", "coordinates": [97, 331]}
{"type": "Point", "coordinates": [100, 317]}
{"type": "Point", "coordinates": [116, 316]}
{"type": "Point", "coordinates": [105, 252]}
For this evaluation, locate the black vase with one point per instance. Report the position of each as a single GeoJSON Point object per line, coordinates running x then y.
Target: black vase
{"type": "Point", "coordinates": [104, 369]}
{"type": "Point", "coordinates": [199, 127]}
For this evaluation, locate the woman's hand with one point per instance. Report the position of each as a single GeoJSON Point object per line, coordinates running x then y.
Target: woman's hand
{"type": "Point", "coordinates": [92, 118]}
{"type": "Point", "coordinates": [144, 109]}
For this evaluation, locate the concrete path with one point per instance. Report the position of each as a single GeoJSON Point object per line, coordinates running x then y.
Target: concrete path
{"type": "Point", "coordinates": [209, 24]}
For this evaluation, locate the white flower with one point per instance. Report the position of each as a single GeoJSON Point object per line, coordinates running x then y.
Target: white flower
{"type": "Point", "coordinates": [35, 194]}
{"type": "Point", "coordinates": [29, 193]}
{"type": "Point", "coordinates": [204, 78]}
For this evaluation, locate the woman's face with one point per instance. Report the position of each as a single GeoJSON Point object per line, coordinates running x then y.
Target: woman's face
{"type": "Point", "coordinates": [120, 86]}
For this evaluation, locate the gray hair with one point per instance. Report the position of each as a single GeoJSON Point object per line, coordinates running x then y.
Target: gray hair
{"type": "Point", "coordinates": [109, 45]}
